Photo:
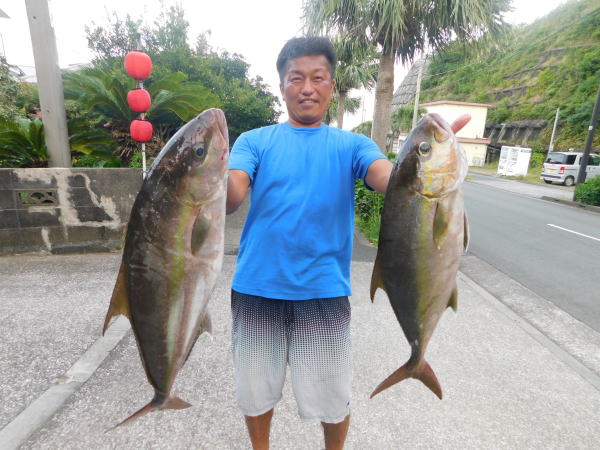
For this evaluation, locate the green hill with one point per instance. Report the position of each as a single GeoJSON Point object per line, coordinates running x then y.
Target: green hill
{"type": "Point", "coordinates": [553, 62]}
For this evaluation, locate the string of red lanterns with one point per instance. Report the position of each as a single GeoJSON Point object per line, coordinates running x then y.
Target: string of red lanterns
{"type": "Point", "coordinates": [138, 65]}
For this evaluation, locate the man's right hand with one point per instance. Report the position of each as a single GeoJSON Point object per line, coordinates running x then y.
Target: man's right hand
{"type": "Point", "coordinates": [238, 182]}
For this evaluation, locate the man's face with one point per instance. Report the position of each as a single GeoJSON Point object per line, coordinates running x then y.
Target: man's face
{"type": "Point", "coordinates": [307, 88]}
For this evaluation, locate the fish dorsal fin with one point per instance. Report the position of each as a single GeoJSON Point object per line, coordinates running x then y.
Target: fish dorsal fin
{"type": "Point", "coordinates": [199, 233]}
{"type": "Point", "coordinates": [440, 224]}
{"type": "Point", "coordinates": [376, 279]}
{"type": "Point", "coordinates": [466, 234]}
{"type": "Point", "coordinates": [119, 302]}
{"type": "Point", "coordinates": [453, 302]}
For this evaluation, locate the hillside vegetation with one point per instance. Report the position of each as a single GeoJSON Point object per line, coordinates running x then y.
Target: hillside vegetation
{"type": "Point", "coordinates": [553, 62]}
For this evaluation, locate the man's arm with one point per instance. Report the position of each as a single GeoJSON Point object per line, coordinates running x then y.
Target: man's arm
{"type": "Point", "coordinates": [378, 173]}
{"type": "Point", "coordinates": [238, 182]}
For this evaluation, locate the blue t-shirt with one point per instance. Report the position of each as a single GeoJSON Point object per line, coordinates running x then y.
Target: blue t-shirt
{"type": "Point", "coordinates": [297, 240]}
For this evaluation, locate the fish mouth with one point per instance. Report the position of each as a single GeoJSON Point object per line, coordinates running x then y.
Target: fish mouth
{"type": "Point", "coordinates": [441, 129]}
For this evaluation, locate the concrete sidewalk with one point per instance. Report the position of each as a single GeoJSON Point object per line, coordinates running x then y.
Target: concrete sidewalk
{"type": "Point", "coordinates": [505, 385]}
{"type": "Point", "coordinates": [522, 187]}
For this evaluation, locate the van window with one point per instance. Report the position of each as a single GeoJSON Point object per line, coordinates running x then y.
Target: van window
{"type": "Point", "coordinates": [570, 159]}
{"type": "Point", "coordinates": [594, 161]}
{"type": "Point", "coordinates": [556, 158]}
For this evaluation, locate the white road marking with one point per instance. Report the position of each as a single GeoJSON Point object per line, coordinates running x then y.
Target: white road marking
{"type": "Point", "coordinates": [574, 232]}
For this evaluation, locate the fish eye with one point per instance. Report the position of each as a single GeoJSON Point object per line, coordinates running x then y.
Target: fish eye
{"type": "Point", "coordinates": [200, 151]}
{"type": "Point", "coordinates": [424, 148]}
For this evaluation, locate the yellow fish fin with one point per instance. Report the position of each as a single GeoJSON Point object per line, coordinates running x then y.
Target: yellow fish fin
{"type": "Point", "coordinates": [376, 279]}
{"type": "Point", "coordinates": [453, 302]}
{"type": "Point", "coordinates": [119, 302]}
{"type": "Point", "coordinates": [440, 224]}
{"type": "Point", "coordinates": [199, 233]}
{"type": "Point", "coordinates": [466, 234]}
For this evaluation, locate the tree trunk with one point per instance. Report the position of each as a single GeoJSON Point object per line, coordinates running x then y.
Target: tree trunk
{"type": "Point", "coordinates": [384, 91]}
{"type": "Point", "coordinates": [341, 109]}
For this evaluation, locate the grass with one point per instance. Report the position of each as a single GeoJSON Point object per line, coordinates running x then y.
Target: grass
{"type": "Point", "coordinates": [533, 173]}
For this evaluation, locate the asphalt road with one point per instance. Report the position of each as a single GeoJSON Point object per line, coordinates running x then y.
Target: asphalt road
{"type": "Point", "coordinates": [550, 248]}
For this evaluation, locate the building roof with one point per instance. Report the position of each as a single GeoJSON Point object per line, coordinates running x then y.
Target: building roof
{"type": "Point", "coordinates": [405, 94]}
{"type": "Point", "coordinates": [455, 102]}
{"type": "Point", "coordinates": [464, 140]}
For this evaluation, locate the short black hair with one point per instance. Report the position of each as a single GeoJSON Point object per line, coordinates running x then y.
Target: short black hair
{"type": "Point", "coordinates": [306, 46]}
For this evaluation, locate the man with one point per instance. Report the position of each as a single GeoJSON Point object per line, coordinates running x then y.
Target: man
{"type": "Point", "coordinates": [290, 290]}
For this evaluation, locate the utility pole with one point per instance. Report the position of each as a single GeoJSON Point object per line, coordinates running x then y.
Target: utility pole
{"type": "Point", "coordinates": [588, 142]}
{"type": "Point", "coordinates": [551, 148]}
{"type": "Point", "coordinates": [52, 100]}
{"type": "Point", "coordinates": [417, 92]}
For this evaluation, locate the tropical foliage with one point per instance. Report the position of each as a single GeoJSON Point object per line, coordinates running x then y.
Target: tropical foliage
{"type": "Point", "coordinates": [103, 98]}
{"type": "Point", "coordinates": [553, 62]}
{"type": "Point", "coordinates": [247, 102]}
{"type": "Point", "coordinates": [356, 68]}
{"type": "Point", "coordinates": [402, 29]}
{"type": "Point", "coordinates": [22, 143]}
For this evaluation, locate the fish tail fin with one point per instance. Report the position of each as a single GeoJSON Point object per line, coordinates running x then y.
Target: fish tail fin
{"type": "Point", "coordinates": [426, 375]}
{"type": "Point", "coordinates": [423, 373]}
{"type": "Point", "coordinates": [119, 302]}
{"type": "Point", "coordinates": [171, 403]}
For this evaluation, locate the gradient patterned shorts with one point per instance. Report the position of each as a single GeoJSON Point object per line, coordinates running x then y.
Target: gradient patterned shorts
{"type": "Point", "coordinates": [311, 336]}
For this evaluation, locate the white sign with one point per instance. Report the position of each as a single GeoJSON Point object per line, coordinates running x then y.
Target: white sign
{"type": "Point", "coordinates": [514, 161]}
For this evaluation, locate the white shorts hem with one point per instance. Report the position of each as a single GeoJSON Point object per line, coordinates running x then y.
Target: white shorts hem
{"type": "Point", "coordinates": [258, 412]}
{"type": "Point", "coordinates": [337, 419]}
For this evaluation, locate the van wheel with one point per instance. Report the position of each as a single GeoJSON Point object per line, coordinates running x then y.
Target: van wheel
{"type": "Point", "coordinates": [548, 181]}
{"type": "Point", "coordinates": [569, 181]}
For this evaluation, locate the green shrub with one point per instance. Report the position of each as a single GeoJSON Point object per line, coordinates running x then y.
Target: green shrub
{"type": "Point", "coordinates": [368, 205]}
{"type": "Point", "coordinates": [136, 160]}
{"type": "Point", "coordinates": [537, 159]}
{"type": "Point", "coordinates": [589, 192]}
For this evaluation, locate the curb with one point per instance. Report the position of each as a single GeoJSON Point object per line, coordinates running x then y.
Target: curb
{"type": "Point", "coordinates": [562, 355]}
{"type": "Point", "coordinates": [35, 416]}
{"type": "Point", "coordinates": [572, 204]}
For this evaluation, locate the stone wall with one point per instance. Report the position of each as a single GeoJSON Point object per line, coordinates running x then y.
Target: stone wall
{"type": "Point", "coordinates": [65, 210]}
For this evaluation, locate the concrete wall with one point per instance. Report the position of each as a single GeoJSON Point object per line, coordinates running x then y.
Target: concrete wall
{"type": "Point", "coordinates": [65, 210]}
{"type": "Point", "coordinates": [475, 153]}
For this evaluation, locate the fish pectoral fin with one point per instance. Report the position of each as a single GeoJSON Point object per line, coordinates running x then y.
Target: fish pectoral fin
{"type": "Point", "coordinates": [466, 234]}
{"type": "Point", "coordinates": [453, 302]}
{"type": "Point", "coordinates": [199, 233]}
{"type": "Point", "coordinates": [440, 224]}
{"type": "Point", "coordinates": [119, 302]}
{"type": "Point", "coordinates": [423, 372]}
{"type": "Point", "coordinates": [206, 324]}
{"type": "Point", "coordinates": [376, 279]}
{"type": "Point", "coordinates": [171, 403]}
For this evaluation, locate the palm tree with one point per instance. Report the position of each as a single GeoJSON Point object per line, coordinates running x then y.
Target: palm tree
{"type": "Point", "coordinates": [401, 28]}
{"type": "Point", "coordinates": [357, 68]}
{"type": "Point", "coordinates": [103, 95]}
{"type": "Point", "coordinates": [22, 142]}
{"type": "Point", "coordinates": [351, 104]}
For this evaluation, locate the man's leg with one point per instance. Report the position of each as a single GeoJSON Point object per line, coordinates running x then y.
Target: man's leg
{"type": "Point", "coordinates": [259, 428]}
{"type": "Point", "coordinates": [335, 434]}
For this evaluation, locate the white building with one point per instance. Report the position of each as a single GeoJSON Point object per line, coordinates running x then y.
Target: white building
{"type": "Point", "coordinates": [471, 136]}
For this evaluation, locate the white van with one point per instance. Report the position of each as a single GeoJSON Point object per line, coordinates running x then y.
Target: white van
{"type": "Point", "coordinates": [562, 167]}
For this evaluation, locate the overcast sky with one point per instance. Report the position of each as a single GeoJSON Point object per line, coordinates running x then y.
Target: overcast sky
{"type": "Point", "coordinates": [255, 29]}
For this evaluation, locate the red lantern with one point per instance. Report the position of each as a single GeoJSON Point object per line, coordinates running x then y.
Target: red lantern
{"type": "Point", "coordinates": [141, 130]}
{"type": "Point", "coordinates": [138, 65]}
{"type": "Point", "coordinates": [139, 100]}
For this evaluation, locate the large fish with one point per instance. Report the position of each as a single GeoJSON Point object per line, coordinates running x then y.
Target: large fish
{"type": "Point", "coordinates": [173, 252]}
{"type": "Point", "coordinates": [422, 237]}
